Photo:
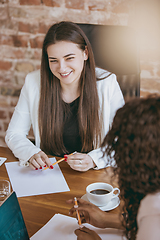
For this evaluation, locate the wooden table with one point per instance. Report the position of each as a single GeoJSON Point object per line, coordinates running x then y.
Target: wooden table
{"type": "Point", "coordinates": [38, 210]}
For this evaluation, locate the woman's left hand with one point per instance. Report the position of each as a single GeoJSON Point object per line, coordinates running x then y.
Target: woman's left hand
{"type": "Point", "coordinates": [80, 162]}
{"type": "Point", "coordinates": [86, 234]}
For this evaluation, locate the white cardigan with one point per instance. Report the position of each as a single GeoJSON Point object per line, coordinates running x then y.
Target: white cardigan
{"type": "Point", "coordinates": [26, 114]}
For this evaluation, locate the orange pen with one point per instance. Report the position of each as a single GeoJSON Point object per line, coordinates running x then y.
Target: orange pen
{"type": "Point", "coordinates": [60, 160]}
{"type": "Point", "coordinates": [78, 216]}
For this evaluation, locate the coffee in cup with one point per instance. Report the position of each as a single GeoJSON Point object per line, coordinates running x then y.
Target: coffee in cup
{"type": "Point", "coordinates": [100, 193]}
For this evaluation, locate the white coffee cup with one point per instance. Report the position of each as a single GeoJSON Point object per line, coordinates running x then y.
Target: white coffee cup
{"type": "Point", "coordinates": [106, 195]}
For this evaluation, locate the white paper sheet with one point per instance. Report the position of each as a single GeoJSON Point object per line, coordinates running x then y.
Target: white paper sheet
{"type": "Point", "coordinates": [28, 182]}
{"type": "Point", "coordinates": [2, 160]}
{"type": "Point", "coordinates": [62, 227]}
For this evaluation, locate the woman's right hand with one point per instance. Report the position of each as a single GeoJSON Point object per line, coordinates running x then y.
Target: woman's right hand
{"type": "Point", "coordinates": [86, 234]}
{"type": "Point", "coordinates": [39, 160]}
{"type": "Point", "coordinates": [89, 213]}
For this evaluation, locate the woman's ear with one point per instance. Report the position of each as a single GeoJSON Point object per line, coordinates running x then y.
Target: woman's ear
{"type": "Point", "coordinates": [86, 53]}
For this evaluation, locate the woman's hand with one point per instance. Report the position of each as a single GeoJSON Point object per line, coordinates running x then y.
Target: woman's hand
{"type": "Point", "coordinates": [89, 213]}
{"type": "Point", "coordinates": [86, 234]}
{"type": "Point", "coordinates": [80, 161]}
{"type": "Point", "coordinates": [39, 160]}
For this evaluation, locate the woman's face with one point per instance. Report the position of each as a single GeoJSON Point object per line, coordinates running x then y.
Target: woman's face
{"type": "Point", "coordinates": [66, 61]}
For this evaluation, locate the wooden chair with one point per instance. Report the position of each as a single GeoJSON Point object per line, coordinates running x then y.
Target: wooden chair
{"type": "Point", "coordinates": [115, 49]}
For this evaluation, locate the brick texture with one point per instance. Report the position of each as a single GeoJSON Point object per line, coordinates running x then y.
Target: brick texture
{"type": "Point", "coordinates": [51, 3]}
{"type": "Point", "coordinates": [24, 23]}
{"type": "Point", "coordinates": [20, 41]}
{"type": "Point", "coordinates": [37, 42]}
{"type": "Point", "coordinates": [75, 4]}
{"type": "Point", "coordinates": [30, 2]}
{"type": "Point", "coordinates": [98, 5]}
{"type": "Point", "coordinates": [4, 65]}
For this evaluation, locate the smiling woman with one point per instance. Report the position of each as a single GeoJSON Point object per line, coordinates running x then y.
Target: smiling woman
{"type": "Point", "coordinates": [69, 103]}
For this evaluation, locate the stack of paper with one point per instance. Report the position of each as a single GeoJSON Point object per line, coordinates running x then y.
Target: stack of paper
{"type": "Point", "coordinates": [62, 227]}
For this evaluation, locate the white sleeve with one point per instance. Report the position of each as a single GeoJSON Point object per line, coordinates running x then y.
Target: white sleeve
{"type": "Point", "coordinates": [100, 160]}
{"type": "Point", "coordinates": [19, 126]}
{"type": "Point", "coordinates": [116, 97]}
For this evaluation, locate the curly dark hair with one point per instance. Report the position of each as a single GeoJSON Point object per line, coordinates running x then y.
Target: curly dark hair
{"type": "Point", "coordinates": [134, 143]}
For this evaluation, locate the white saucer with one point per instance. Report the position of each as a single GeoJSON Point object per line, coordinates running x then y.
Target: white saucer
{"type": "Point", "coordinates": [110, 206]}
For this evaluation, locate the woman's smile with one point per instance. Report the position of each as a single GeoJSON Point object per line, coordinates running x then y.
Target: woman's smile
{"type": "Point", "coordinates": [65, 74]}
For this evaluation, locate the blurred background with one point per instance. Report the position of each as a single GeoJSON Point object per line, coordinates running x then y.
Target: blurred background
{"type": "Point", "coordinates": [23, 24]}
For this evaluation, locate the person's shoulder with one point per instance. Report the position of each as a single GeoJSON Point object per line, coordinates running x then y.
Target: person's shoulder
{"type": "Point", "coordinates": [33, 76]}
{"type": "Point", "coordinates": [33, 79]}
{"type": "Point", "coordinates": [152, 199]}
{"type": "Point", "coordinates": [149, 205]}
{"type": "Point", "coordinates": [102, 74]}
{"type": "Point", "coordinates": [105, 78]}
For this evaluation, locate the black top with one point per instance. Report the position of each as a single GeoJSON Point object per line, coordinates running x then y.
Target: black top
{"type": "Point", "coordinates": [71, 137]}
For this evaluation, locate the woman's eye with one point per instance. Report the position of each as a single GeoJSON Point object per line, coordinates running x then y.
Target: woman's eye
{"type": "Point", "coordinates": [53, 61]}
{"type": "Point", "coordinates": [70, 58]}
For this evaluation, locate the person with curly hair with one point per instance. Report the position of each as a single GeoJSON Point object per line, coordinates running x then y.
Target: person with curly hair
{"type": "Point", "coordinates": [133, 147]}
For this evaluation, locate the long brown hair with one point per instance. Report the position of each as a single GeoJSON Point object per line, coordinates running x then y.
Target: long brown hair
{"type": "Point", "coordinates": [51, 105]}
{"type": "Point", "coordinates": [133, 142]}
